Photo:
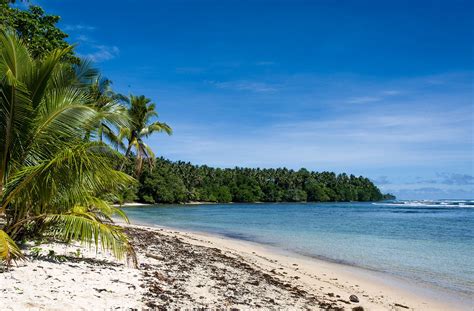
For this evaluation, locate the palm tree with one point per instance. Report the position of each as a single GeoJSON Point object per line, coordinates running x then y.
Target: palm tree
{"type": "Point", "coordinates": [112, 114]}
{"type": "Point", "coordinates": [141, 111]}
{"type": "Point", "coordinates": [53, 182]}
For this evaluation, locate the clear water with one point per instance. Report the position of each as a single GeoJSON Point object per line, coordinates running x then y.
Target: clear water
{"type": "Point", "coordinates": [428, 241]}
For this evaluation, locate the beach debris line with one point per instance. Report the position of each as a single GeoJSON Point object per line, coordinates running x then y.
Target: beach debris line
{"type": "Point", "coordinates": [205, 277]}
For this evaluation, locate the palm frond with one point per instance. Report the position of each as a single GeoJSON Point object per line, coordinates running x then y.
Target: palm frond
{"type": "Point", "coordinates": [51, 177]}
{"type": "Point", "coordinates": [156, 127]}
{"type": "Point", "coordinates": [86, 228]}
{"type": "Point", "coordinates": [9, 251]}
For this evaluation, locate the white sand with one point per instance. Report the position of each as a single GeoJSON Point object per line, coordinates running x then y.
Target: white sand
{"type": "Point", "coordinates": [131, 204]}
{"type": "Point", "coordinates": [46, 284]}
{"type": "Point", "coordinates": [90, 284]}
{"type": "Point", "coordinates": [376, 291]}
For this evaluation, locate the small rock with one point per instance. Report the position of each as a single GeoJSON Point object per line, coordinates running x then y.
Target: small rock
{"type": "Point", "coordinates": [353, 298]}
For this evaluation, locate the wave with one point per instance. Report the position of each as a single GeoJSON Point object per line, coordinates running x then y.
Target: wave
{"type": "Point", "coordinates": [429, 203]}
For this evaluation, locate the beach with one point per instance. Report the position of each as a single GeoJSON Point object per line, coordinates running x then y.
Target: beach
{"type": "Point", "coordinates": [180, 269]}
{"type": "Point", "coordinates": [236, 155]}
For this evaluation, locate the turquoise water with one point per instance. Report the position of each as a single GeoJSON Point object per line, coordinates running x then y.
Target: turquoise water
{"type": "Point", "coordinates": [427, 241]}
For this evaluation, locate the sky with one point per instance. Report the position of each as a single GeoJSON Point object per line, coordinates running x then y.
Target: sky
{"type": "Point", "coordinates": [383, 89]}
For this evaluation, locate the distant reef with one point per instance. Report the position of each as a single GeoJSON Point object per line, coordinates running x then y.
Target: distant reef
{"type": "Point", "coordinates": [181, 182]}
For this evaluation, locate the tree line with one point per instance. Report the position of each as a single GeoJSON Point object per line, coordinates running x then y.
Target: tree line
{"type": "Point", "coordinates": [181, 182]}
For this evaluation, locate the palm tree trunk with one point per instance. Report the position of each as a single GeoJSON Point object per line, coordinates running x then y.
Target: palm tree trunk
{"type": "Point", "coordinates": [127, 153]}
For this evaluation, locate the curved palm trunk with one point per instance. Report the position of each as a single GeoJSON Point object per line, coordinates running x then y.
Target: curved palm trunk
{"type": "Point", "coordinates": [127, 154]}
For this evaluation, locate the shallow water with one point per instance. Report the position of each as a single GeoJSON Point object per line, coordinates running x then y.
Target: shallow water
{"type": "Point", "coordinates": [427, 241]}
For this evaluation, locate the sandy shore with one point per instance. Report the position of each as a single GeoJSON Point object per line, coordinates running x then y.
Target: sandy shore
{"type": "Point", "coordinates": [131, 204]}
{"type": "Point", "coordinates": [194, 270]}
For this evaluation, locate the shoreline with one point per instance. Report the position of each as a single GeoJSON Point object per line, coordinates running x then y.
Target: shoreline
{"type": "Point", "coordinates": [270, 248]}
{"type": "Point", "coordinates": [187, 269]}
{"type": "Point", "coordinates": [140, 204]}
{"type": "Point", "coordinates": [388, 289]}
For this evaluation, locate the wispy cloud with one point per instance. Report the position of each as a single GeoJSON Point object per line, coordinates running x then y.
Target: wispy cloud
{"type": "Point", "coordinates": [88, 47]}
{"type": "Point", "coordinates": [363, 100]}
{"type": "Point", "coordinates": [446, 179]}
{"type": "Point", "coordinates": [346, 143]}
{"type": "Point", "coordinates": [79, 27]}
{"type": "Point", "coordinates": [101, 53]}
{"type": "Point", "coordinates": [304, 121]}
{"type": "Point", "coordinates": [84, 38]}
{"type": "Point", "coordinates": [373, 98]}
{"type": "Point", "coordinates": [431, 193]}
{"type": "Point", "coordinates": [455, 179]}
{"type": "Point", "coordinates": [244, 85]}
{"type": "Point", "coordinates": [381, 180]}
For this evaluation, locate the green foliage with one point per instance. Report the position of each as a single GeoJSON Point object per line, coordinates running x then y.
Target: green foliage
{"type": "Point", "coordinates": [389, 196]}
{"type": "Point", "coordinates": [55, 179]}
{"type": "Point", "coordinates": [55, 257]}
{"type": "Point", "coordinates": [141, 112]}
{"type": "Point", "coordinates": [35, 252]}
{"type": "Point", "coordinates": [178, 182]}
{"type": "Point", "coordinates": [8, 249]}
{"type": "Point", "coordinates": [37, 29]}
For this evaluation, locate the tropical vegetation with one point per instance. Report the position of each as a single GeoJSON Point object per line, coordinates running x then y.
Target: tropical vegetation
{"type": "Point", "coordinates": [141, 112]}
{"type": "Point", "coordinates": [62, 128]}
{"type": "Point", "coordinates": [56, 179]}
{"type": "Point", "coordinates": [180, 182]}
{"type": "Point", "coordinates": [36, 28]}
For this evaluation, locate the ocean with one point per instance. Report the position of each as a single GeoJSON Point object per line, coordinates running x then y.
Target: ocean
{"type": "Point", "coordinates": [426, 241]}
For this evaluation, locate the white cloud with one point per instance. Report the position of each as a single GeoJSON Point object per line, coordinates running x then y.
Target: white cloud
{"type": "Point", "coordinates": [79, 27]}
{"type": "Point", "coordinates": [371, 99]}
{"type": "Point", "coordinates": [84, 38]}
{"type": "Point", "coordinates": [244, 85]}
{"type": "Point", "coordinates": [418, 130]}
{"type": "Point", "coordinates": [102, 53]}
{"type": "Point", "coordinates": [356, 141]}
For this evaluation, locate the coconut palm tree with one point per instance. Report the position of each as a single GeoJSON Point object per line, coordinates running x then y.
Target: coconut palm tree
{"type": "Point", "coordinates": [53, 182]}
{"type": "Point", "coordinates": [112, 113]}
{"type": "Point", "coordinates": [141, 111]}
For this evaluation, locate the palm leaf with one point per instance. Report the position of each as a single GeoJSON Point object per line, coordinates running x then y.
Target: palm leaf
{"type": "Point", "coordinates": [86, 228]}
{"type": "Point", "coordinates": [8, 249]}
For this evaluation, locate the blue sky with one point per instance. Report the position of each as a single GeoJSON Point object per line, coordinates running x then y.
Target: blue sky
{"type": "Point", "coordinates": [378, 88]}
